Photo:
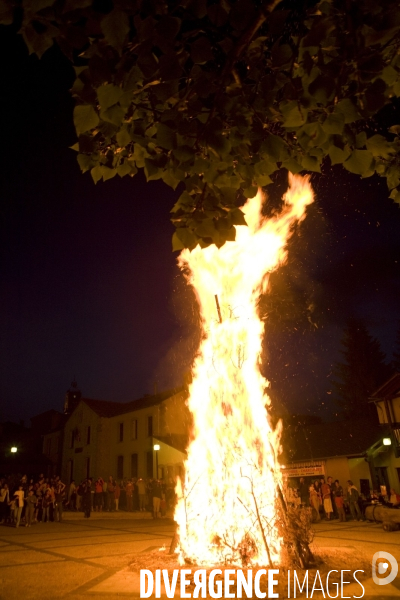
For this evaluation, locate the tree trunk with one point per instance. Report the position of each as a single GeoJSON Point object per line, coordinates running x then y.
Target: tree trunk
{"type": "Point", "coordinates": [382, 513]}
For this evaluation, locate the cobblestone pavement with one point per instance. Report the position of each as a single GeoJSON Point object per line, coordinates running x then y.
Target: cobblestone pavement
{"type": "Point", "coordinates": [82, 559]}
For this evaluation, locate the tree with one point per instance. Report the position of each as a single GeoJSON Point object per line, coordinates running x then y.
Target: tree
{"type": "Point", "coordinates": [362, 371]}
{"type": "Point", "coordinates": [215, 96]}
{"type": "Point", "coordinates": [396, 353]}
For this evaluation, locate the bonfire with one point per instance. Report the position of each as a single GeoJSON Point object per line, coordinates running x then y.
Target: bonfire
{"type": "Point", "coordinates": [230, 501]}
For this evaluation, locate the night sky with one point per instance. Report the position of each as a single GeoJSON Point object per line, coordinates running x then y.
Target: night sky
{"type": "Point", "coordinates": [89, 286]}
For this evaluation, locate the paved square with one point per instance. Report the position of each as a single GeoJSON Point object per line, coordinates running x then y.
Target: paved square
{"type": "Point", "coordinates": [83, 559]}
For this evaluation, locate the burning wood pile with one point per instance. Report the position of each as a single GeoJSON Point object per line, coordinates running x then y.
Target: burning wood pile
{"type": "Point", "coordinates": [230, 508]}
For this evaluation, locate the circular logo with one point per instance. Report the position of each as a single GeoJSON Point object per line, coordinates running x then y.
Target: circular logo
{"type": "Point", "coordinates": [384, 568]}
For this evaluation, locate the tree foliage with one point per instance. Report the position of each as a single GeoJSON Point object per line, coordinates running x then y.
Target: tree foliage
{"type": "Point", "coordinates": [217, 95]}
{"type": "Point", "coordinates": [362, 371]}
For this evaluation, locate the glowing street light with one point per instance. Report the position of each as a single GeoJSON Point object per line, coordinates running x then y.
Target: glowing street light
{"type": "Point", "coordinates": [387, 442]}
{"type": "Point", "coordinates": [14, 449]}
{"type": "Point", "coordinates": [156, 448]}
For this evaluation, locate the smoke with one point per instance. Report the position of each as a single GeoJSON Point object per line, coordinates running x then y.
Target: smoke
{"type": "Point", "coordinates": [182, 347]}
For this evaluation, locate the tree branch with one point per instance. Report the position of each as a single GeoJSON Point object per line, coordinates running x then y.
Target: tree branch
{"type": "Point", "coordinates": [262, 15]}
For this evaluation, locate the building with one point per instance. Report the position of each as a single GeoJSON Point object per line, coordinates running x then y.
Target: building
{"type": "Point", "coordinates": [387, 461]}
{"type": "Point", "coordinates": [143, 438]}
{"type": "Point", "coordinates": [343, 450]}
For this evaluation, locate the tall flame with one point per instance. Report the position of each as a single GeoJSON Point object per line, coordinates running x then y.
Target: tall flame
{"type": "Point", "coordinates": [226, 512]}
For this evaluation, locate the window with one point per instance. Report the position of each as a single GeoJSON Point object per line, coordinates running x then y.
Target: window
{"type": "Point", "coordinates": [88, 435]}
{"type": "Point", "coordinates": [134, 429]}
{"type": "Point", "coordinates": [71, 443]}
{"type": "Point", "coordinates": [134, 465]}
{"type": "Point", "coordinates": [120, 432]}
{"type": "Point", "coordinates": [48, 446]}
{"type": "Point", "coordinates": [149, 463]}
{"type": "Point", "coordinates": [120, 467]}
{"type": "Point", "coordinates": [149, 426]}
{"type": "Point", "coordinates": [88, 467]}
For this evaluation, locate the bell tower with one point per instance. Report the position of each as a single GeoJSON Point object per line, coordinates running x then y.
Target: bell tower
{"type": "Point", "coordinates": [72, 397]}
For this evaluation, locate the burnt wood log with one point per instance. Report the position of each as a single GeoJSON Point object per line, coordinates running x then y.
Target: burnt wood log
{"type": "Point", "coordinates": [390, 526]}
{"type": "Point", "coordinates": [382, 514]}
{"type": "Point", "coordinates": [174, 543]}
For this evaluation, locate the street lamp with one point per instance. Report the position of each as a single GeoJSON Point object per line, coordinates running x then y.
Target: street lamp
{"type": "Point", "coordinates": [387, 442]}
{"type": "Point", "coordinates": [14, 449]}
{"type": "Point", "coordinates": [156, 448]}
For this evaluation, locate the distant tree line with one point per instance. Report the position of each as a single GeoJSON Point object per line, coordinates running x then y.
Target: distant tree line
{"type": "Point", "coordinates": [362, 370]}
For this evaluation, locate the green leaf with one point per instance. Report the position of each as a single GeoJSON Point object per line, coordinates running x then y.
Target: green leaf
{"type": "Point", "coordinates": [359, 162]}
{"type": "Point", "coordinates": [169, 179]}
{"type": "Point", "coordinates": [115, 27]}
{"type": "Point", "coordinates": [322, 88]}
{"type": "Point", "coordinates": [114, 115]}
{"type": "Point", "coordinates": [311, 163]}
{"type": "Point", "coordinates": [85, 118]}
{"type": "Point", "coordinates": [292, 165]}
{"type": "Point", "coordinates": [166, 137]}
{"type": "Point", "coordinates": [281, 55]}
{"type": "Point", "coordinates": [184, 153]}
{"type": "Point", "coordinates": [348, 109]}
{"type": "Point", "coordinates": [334, 123]}
{"type": "Point", "coordinates": [125, 169]}
{"type": "Point", "coordinates": [96, 173]}
{"type": "Point", "coordinates": [200, 51]}
{"type": "Point", "coordinates": [177, 244]}
{"type": "Point", "coordinates": [206, 228]}
{"type": "Point", "coordinates": [85, 162]}
{"type": "Point", "coordinates": [251, 191]}
{"type": "Point", "coordinates": [275, 149]}
{"type": "Point", "coordinates": [262, 180]}
{"type": "Point", "coordinates": [38, 43]}
{"type": "Point", "coordinates": [389, 75]}
{"type": "Point", "coordinates": [236, 217]}
{"type": "Point", "coordinates": [152, 170]}
{"type": "Point", "coordinates": [123, 137]}
{"type": "Point", "coordinates": [395, 195]}
{"type": "Point", "coordinates": [380, 147]}
{"type": "Point", "coordinates": [393, 177]}
{"type": "Point", "coordinates": [292, 115]}
{"type": "Point", "coordinates": [361, 139]}
{"type": "Point", "coordinates": [108, 173]}
{"type": "Point", "coordinates": [108, 95]}
{"type": "Point", "coordinates": [187, 237]}
{"type": "Point", "coordinates": [337, 155]}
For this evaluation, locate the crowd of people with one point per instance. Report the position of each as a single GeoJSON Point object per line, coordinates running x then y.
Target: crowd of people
{"type": "Point", "coordinates": [330, 500]}
{"type": "Point", "coordinates": [24, 501]}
